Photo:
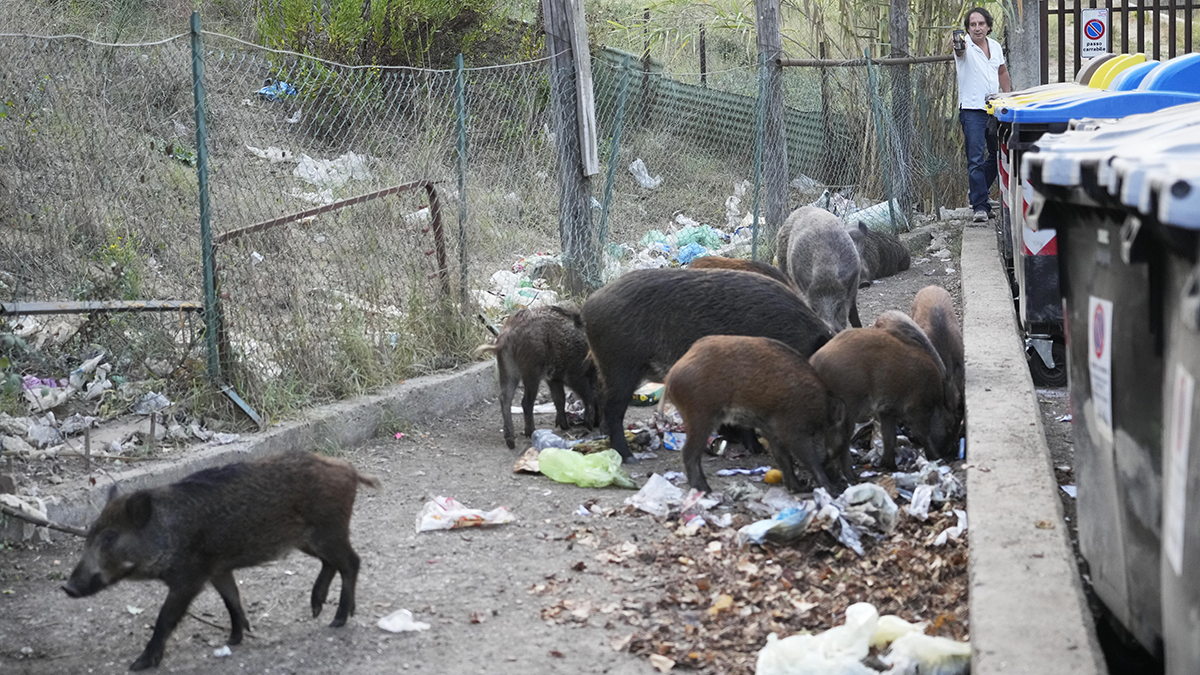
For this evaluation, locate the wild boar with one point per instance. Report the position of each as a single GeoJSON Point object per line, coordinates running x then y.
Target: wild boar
{"type": "Point", "coordinates": [640, 324]}
{"type": "Point", "coordinates": [760, 383]}
{"type": "Point", "coordinates": [879, 374]}
{"type": "Point", "coordinates": [543, 343]}
{"type": "Point", "coordinates": [882, 254]}
{"type": "Point", "coordinates": [933, 311]}
{"type": "Point", "coordinates": [817, 253]}
{"type": "Point", "coordinates": [202, 528]}
{"type": "Point", "coordinates": [712, 262]}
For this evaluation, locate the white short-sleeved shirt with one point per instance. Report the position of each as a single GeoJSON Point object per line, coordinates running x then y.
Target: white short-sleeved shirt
{"type": "Point", "coordinates": [978, 75]}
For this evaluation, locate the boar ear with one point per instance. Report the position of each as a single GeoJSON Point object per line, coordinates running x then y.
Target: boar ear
{"type": "Point", "coordinates": [112, 491]}
{"type": "Point", "coordinates": [138, 509]}
{"type": "Point", "coordinates": [862, 227]}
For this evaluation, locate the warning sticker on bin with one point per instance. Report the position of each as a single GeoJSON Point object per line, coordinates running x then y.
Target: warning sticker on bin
{"type": "Point", "coordinates": [1100, 319]}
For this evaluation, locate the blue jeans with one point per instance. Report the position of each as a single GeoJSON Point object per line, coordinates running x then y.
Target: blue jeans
{"type": "Point", "coordinates": [981, 156]}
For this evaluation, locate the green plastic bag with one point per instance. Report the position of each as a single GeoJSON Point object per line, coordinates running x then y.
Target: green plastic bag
{"type": "Point", "coordinates": [595, 470]}
{"type": "Point", "coordinates": [652, 237]}
{"type": "Point", "coordinates": [700, 234]}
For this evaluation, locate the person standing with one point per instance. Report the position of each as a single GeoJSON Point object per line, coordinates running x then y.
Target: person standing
{"type": "Point", "coordinates": [979, 62]}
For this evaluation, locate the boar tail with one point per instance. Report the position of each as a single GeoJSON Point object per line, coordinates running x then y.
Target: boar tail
{"type": "Point", "coordinates": [485, 349]}
{"type": "Point", "coordinates": [369, 481]}
{"type": "Point", "coordinates": [569, 312]}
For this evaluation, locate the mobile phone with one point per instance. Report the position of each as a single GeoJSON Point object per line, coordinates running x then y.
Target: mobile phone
{"type": "Point", "coordinates": [959, 41]}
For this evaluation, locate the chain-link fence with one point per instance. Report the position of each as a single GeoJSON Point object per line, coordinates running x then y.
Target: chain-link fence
{"type": "Point", "coordinates": [362, 217]}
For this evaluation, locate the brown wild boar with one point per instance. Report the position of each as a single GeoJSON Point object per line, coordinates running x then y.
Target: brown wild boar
{"type": "Point", "coordinates": [760, 383]}
{"type": "Point", "coordinates": [933, 310]}
{"type": "Point", "coordinates": [204, 527]}
{"type": "Point", "coordinates": [640, 324]}
{"type": "Point", "coordinates": [543, 343]}
{"type": "Point", "coordinates": [816, 252]}
{"type": "Point", "coordinates": [878, 374]}
{"type": "Point", "coordinates": [714, 262]}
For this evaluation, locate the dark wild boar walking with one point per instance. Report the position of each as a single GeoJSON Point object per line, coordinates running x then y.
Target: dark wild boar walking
{"type": "Point", "coordinates": [882, 254]}
{"type": "Point", "coordinates": [762, 383]}
{"type": "Point", "coordinates": [933, 310]}
{"type": "Point", "coordinates": [212, 522]}
{"type": "Point", "coordinates": [543, 343]}
{"type": "Point", "coordinates": [816, 252]}
{"type": "Point", "coordinates": [713, 262]}
{"type": "Point", "coordinates": [639, 325]}
{"type": "Point", "coordinates": [878, 374]}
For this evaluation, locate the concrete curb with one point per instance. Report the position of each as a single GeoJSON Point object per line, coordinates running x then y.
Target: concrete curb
{"type": "Point", "coordinates": [1028, 611]}
{"type": "Point", "coordinates": [345, 423]}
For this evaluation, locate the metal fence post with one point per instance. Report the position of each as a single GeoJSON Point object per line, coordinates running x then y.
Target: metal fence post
{"type": "Point", "coordinates": [877, 109]}
{"type": "Point", "coordinates": [206, 243]}
{"type": "Point", "coordinates": [460, 109]}
{"type": "Point", "coordinates": [622, 93]}
{"type": "Point", "coordinates": [758, 148]}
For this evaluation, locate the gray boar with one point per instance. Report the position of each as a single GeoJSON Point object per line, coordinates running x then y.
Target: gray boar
{"type": "Point", "coordinates": [933, 311]}
{"type": "Point", "coordinates": [762, 383]}
{"type": "Point", "coordinates": [212, 522]}
{"type": "Point", "coordinates": [882, 254]}
{"type": "Point", "coordinates": [817, 253]}
{"type": "Point", "coordinates": [543, 343]}
{"type": "Point", "coordinates": [639, 325]}
{"type": "Point", "coordinates": [879, 374]}
{"type": "Point", "coordinates": [713, 262]}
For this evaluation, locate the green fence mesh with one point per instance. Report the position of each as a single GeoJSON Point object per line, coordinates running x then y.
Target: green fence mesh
{"type": "Point", "coordinates": [320, 298]}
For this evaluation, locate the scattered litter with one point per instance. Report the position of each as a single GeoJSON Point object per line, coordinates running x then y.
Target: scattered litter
{"type": "Point", "coordinates": [675, 476]}
{"type": "Point", "coordinates": [674, 440]}
{"type": "Point", "coordinates": [774, 477]}
{"type": "Point", "coordinates": [528, 462]}
{"type": "Point", "coordinates": [545, 438]}
{"type": "Point", "coordinates": [273, 90]}
{"type": "Point", "coordinates": [918, 506]}
{"type": "Point", "coordinates": [689, 252]}
{"type": "Point", "coordinates": [150, 402]}
{"type": "Point", "coordinates": [331, 173]}
{"type": "Point", "coordinates": [953, 532]}
{"type": "Point", "coordinates": [539, 408]}
{"type": "Point", "coordinates": [272, 154]}
{"type": "Point", "coordinates": [447, 513]}
{"type": "Point", "coordinates": [222, 652]}
{"type": "Point", "coordinates": [401, 621]}
{"type": "Point", "coordinates": [1065, 418]}
{"type": "Point", "coordinates": [1070, 490]}
{"type": "Point", "coordinates": [757, 471]}
{"type": "Point", "coordinates": [134, 610]}
{"type": "Point", "coordinates": [861, 509]}
{"type": "Point", "coordinates": [642, 176]}
{"type": "Point", "coordinates": [656, 496]}
{"type": "Point", "coordinates": [647, 394]}
{"type": "Point", "coordinates": [582, 511]}
{"type": "Point", "coordinates": [919, 653]}
{"type": "Point", "coordinates": [599, 469]}
{"type": "Point", "coordinates": [223, 438]}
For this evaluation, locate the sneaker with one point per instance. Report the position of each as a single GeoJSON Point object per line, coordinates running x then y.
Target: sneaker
{"type": "Point", "coordinates": [981, 216]}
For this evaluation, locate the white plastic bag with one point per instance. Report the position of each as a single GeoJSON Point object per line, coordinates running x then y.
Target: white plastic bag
{"type": "Point", "coordinates": [447, 513]}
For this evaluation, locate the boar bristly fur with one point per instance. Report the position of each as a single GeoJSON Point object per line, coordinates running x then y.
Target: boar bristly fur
{"type": "Point", "coordinates": [202, 528]}
{"type": "Point", "coordinates": [758, 383]}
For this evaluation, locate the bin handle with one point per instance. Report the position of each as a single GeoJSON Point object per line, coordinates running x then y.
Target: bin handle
{"type": "Point", "coordinates": [1189, 303]}
{"type": "Point", "coordinates": [1129, 234]}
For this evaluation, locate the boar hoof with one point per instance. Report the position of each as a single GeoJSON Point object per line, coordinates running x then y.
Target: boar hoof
{"type": "Point", "coordinates": [338, 622]}
{"type": "Point", "coordinates": [511, 443]}
{"type": "Point", "coordinates": [147, 660]}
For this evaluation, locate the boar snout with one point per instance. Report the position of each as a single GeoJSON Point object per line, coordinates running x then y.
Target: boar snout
{"type": "Point", "coordinates": [81, 585]}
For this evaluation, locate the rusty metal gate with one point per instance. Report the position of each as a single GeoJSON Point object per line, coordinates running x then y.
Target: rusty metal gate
{"type": "Point", "coordinates": [1160, 29]}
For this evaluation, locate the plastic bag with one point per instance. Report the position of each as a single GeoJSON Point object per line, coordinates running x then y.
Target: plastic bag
{"type": "Point", "coordinates": [699, 234]}
{"type": "Point", "coordinates": [596, 470]}
{"type": "Point", "coordinates": [656, 496]}
{"type": "Point", "coordinates": [690, 252]}
{"type": "Point", "coordinates": [447, 513]}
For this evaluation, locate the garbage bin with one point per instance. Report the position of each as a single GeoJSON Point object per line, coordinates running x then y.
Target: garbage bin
{"type": "Point", "coordinates": [1023, 118]}
{"type": "Point", "coordinates": [1124, 197]}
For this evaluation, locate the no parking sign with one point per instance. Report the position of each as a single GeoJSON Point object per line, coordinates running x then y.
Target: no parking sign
{"type": "Point", "coordinates": [1093, 37]}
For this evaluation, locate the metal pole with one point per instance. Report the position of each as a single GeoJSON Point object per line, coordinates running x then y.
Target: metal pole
{"type": "Point", "coordinates": [206, 243]}
{"type": "Point", "coordinates": [758, 149]}
{"type": "Point", "coordinates": [460, 109]}
{"type": "Point", "coordinates": [622, 94]}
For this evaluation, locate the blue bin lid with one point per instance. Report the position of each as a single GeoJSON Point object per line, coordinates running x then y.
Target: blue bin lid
{"type": "Point", "coordinates": [1112, 105]}
{"type": "Point", "coordinates": [1007, 113]}
{"type": "Point", "coordinates": [1181, 73]}
{"type": "Point", "coordinates": [1149, 162]}
{"type": "Point", "coordinates": [1130, 78]}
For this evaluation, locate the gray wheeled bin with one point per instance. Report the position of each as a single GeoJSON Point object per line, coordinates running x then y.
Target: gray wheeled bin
{"type": "Point", "coordinates": [1119, 193]}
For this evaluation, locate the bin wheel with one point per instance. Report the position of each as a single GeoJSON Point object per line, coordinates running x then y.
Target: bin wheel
{"type": "Point", "coordinates": [1049, 377]}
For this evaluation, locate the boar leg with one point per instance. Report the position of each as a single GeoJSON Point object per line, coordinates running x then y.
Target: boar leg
{"type": "Point", "coordinates": [693, 452]}
{"type": "Point", "coordinates": [349, 571]}
{"type": "Point", "coordinates": [508, 389]}
{"type": "Point", "coordinates": [228, 590]}
{"type": "Point", "coordinates": [854, 320]}
{"type": "Point", "coordinates": [559, 396]}
{"type": "Point", "coordinates": [887, 431]}
{"type": "Point", "coordinates": [320, 589]}
{"type": "Point", "coordinates": [179, 597]}
{"type": "Point", "coordinates": [618, 392]}
{"type": "Point", "coordinates": [531, 390]}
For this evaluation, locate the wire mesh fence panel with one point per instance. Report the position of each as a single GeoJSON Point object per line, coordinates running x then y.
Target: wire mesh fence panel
{"type": "Point", "coordinates": [97, 203]}
{"type": "Point", "coordinates": [321, 299]}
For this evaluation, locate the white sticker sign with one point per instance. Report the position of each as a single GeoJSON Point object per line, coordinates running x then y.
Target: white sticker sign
{"type": "Point", "coordinates": [1100, 318]}
{"type": "Point", "coordinates": [1175, 467]}
{"type": "Point", "coordinates": [1093, 37]}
